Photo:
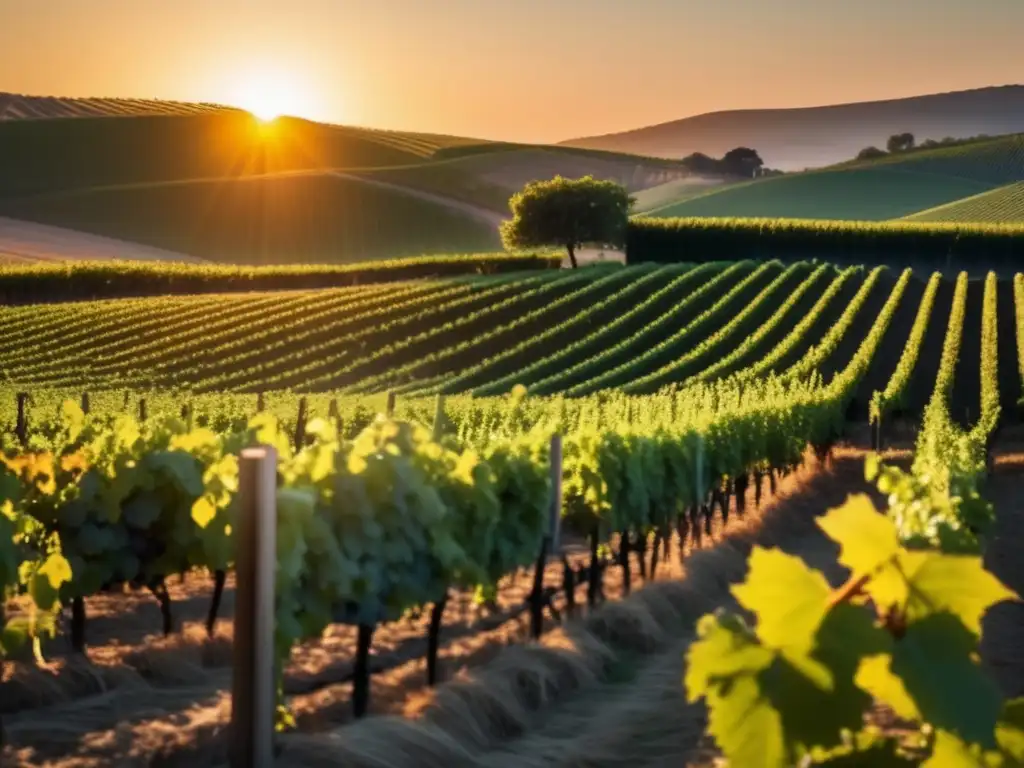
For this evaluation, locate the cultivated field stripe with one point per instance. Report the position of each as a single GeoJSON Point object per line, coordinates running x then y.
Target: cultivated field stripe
{"type": "Point", "coordinates": [610, 356]}
{"type": "Point", "coordinates": [307, 361]}
{"type": "Point", "coordinates": [757, 311]}
{"type": "Point", "coordinates": [625, 325]}
{"type": "Point", "coordinates": [685, 338]}
{"type": "Point", "coordinates": [530, 325]}
{"type": "Point", "coordinates": [750, 351]}
{"type": "Point", "coordinates": [442, 335]}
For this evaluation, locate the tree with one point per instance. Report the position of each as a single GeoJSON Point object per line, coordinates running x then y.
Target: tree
{"type": "Point", "coordinates": [568, 213]}
{"type": "Point", "coordinates": [870, 153]}
{"type": "Point", "coordinates": [742, 161]}
{"type": "Point", "coordinates": [900, 142]}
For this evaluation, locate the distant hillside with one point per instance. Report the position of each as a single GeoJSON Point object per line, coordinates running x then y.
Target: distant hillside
{"type": "Point", "coordinates": [793, 139]}
{"type": "Point", "coordinates": [302, 218]}
{"type": "Point", "coordinates": [1003, 204]}
{"type": "Point", "coordinates": [214, 182]}
{"type": "Point", "coordinates": [17, 106]}
{"type": "Point", "coordinates": [891, 187]}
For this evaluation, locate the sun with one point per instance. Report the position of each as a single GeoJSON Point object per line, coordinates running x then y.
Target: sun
{"type": "Point", "coordinates": [270, 95]}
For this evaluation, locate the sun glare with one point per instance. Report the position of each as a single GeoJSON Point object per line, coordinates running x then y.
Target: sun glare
{"type": "Point", "coordinates": [269, 95]}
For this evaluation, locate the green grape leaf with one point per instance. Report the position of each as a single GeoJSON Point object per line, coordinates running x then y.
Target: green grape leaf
{"type": "Point", "coordinates": [958, 584]}
{"type": "Point", "coordinates": [767, 707]}
{"type": "Point", "coordinates": [725, 648]}
{"type": "Point", "coordinates": [747, 726]}
{"type": "Point", "coordinates": [47, 580]}
{"type": "Point", "coordinates": [949, 688]}
{"type": "Point", "coordinates": [182, 466]}
{"type": "Point", "coordinates": [1010, 730]}
{"type": "Point", "coordinates": [203, 511]}
{"type": "Point", "coordinates": [951, 752]}
{"type": "Point", "coordinates": [789, 598]}
{"type": "Point", "coordinates": [142, 510]}
{"type": "Point", "coordinates": [14, 634]}
{"type": "Point", "coordinates": [876, 677]}
{"type": "Point", "coordinates": [867, 538]}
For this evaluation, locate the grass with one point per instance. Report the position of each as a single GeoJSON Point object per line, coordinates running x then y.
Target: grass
{"type": "Point", "coordinates": [892, 187]}
{"type": "Point", "coordinates": [650, 200]}
{"type": "Point", "coordinates": [1003, 204]}
{"type": "Point", "coordinates": [272, 220]}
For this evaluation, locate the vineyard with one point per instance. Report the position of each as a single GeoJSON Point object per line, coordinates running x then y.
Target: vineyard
{"type": "Point", "coordinates": [1003, 204]}
{"type": "Point", "coordinates": [649, 409]}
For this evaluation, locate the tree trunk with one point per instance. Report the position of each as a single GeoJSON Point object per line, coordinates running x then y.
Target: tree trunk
{"type": "Point", "coordinates": [572, 255]}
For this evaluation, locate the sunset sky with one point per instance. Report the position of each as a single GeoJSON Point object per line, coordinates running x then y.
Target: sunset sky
{"type": "Point", "coordinates": [529, 70]}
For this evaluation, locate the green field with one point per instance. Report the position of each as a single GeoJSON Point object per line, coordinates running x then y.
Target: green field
{"type": "Point", "coordinates": [271, 220]}
{"type": "Point", "coordinates": [888, 188]}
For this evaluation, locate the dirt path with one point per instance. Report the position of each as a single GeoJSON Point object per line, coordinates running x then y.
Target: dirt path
{"type": "Point", "coordinates": [28, 242]}
{"type": "Point", "coordinates": [476, 212]}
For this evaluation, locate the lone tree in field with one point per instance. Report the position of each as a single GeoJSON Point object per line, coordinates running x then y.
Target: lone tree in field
{"type": "Point", "coordinates": [568, 213]}
{"type": "Point", "coordinates": [742, 161]}
{"type": "Point", "coordinates": [900, 142]}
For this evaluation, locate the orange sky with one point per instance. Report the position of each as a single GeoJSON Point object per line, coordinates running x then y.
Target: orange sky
{"type": "Point", "coordinates": [531, 70]}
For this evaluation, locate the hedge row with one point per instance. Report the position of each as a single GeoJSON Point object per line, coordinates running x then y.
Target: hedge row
{"type": "Point", "coordinates": [709, 239]}
{"type": "Point", "coordinates": [69, 281]}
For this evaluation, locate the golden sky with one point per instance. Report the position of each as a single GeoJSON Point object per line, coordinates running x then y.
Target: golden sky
{"type": "Point", "coordinates": [530, 70]}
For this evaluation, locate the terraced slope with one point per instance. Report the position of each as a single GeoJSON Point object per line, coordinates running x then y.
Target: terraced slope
{"type": "Point", "coordinates": [891, 187]}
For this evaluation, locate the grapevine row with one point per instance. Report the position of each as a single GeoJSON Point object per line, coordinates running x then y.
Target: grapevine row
{"type": "Point", "coordinates": [896, 389]}
{"type": "Point", "coordinates": [759, 308]}
{"type": "Point", "coordinates": [677, 293]}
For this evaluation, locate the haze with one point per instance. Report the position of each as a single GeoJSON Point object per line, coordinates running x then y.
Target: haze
{"type": "Point", "coordinates": [526, 71]}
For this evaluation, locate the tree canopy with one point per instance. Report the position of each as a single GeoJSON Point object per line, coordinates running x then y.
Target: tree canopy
{"type": "Point", "coordinates": [742, 161]}
{"type": "Point", "coordinates": [870, 153]}
{"type": "Point", "coordinates": [900, 142]}
{"type": "Point", "coordinates": [568, 213]}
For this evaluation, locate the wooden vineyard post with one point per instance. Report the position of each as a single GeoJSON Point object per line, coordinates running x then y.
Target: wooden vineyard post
{"type": "Point", "coordinates": [300, 424]}
{"type": "Point", "coordinates": [390, 412]}
{"type": "Point", "coordinates": [550, 543]}
{"type": "Point", "coordinates": [21, 427]}
{"type": "Point", "coordinates": [437, 611]}
{"type": "Point", "coordinates": [252, 684]}
{"type": "Point", "coordinates": [85, 403]}
{"type": "Point", "coordinates": [438, 418]}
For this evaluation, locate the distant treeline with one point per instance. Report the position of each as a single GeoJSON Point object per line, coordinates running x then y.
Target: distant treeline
{"type": "Point", "coordinates": [741, 162]}
{"type": "Point", "coordinates": [69, 281]}
{"type": "Point", "coordinates": [903, 143]}
{"type": "Point", "coordinates": [711, 239]}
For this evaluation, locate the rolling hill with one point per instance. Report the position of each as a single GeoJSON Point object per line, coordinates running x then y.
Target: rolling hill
{"type": "Point", "coordinates": [891, 187]}
{"type": "Point", "coordinates": [1003, 204]}
{"type": "Point", "coordinates": [216, 183]}
{"type": "Point", "coordinates": [297, 218]}
{"type": "Point", "coordinates": [797, 138]}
